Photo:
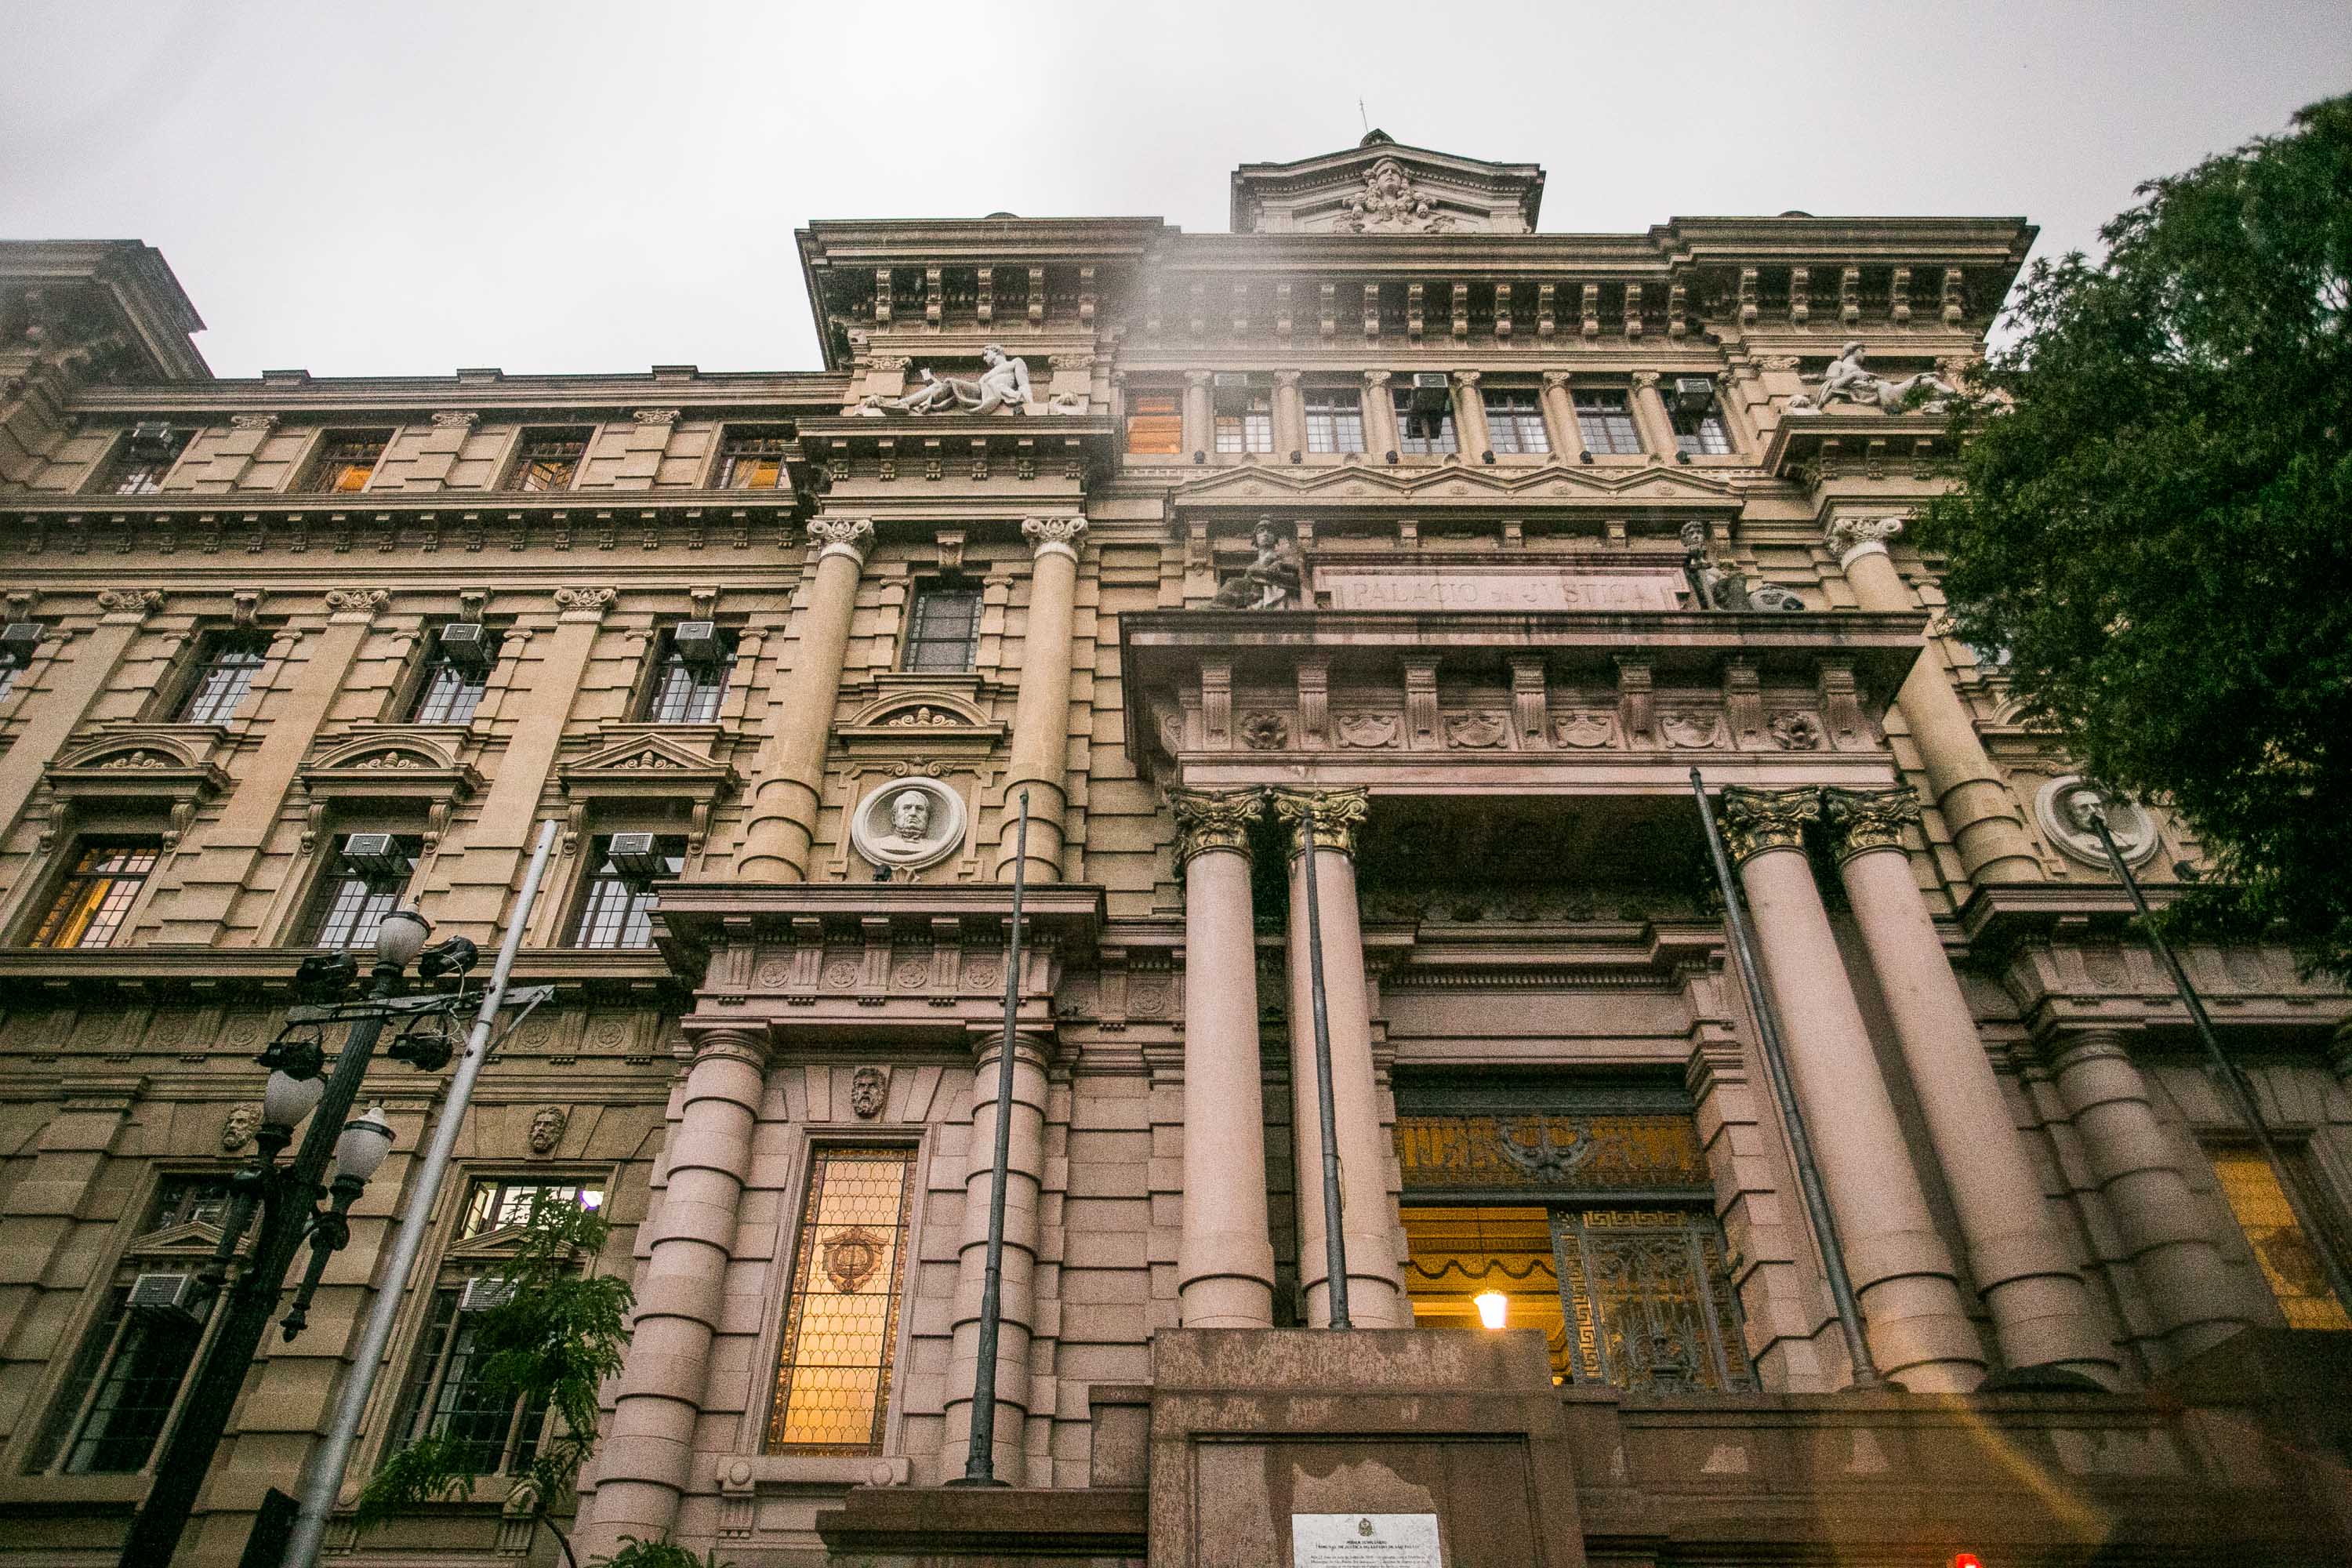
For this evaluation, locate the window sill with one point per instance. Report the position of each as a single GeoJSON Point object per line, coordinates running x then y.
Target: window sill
{"type": "Point", "coordinates": [814, 1470]}
{"type": "Point", "coordinates": [43, 1494]}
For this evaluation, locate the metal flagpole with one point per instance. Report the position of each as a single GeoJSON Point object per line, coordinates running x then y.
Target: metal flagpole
{"type": "Point", "coordinates": [327, 1465]}
{"type": "Point", "coordinates": [2323, 1242]}
{"type": "Point", "coordinates": [1335, 1240]}
{"type": "Point", "coordinates": [1776, 1063]}
{"type": "Point", "coordinates": [980, 1458]}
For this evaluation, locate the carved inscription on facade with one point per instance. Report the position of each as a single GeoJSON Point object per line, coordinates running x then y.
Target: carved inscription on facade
{"type": "Point", "coordinates": [1473, 590]}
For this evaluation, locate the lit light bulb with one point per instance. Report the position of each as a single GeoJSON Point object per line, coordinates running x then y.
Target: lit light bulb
{"type": "Point", "coordinates": [1493, 1307]}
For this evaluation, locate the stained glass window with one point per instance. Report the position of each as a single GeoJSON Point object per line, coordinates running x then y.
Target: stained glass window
{"type": "Point", "coordinates": [841, 1323]}
{"type": "Point", "coordinates": [2289, 1263]}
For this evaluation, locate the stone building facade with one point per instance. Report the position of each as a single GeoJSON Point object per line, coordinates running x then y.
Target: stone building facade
{"type": "Point", "coordinates": [1384, 541]}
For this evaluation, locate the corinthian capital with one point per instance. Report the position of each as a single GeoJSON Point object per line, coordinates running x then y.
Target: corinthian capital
{"type": "Point", "coordinates": [1850, 538]}
{"type": "Point", "coordinates": [1864, 819]}
{"type": "Point", "coordinates": [1755, 820]}
{"type": "Point", "coordinates": [1213, 819]}
{"type": "Point", "coordinates": [850, 536]}
{"type": "Point", "coordinates": [1339, 814]}
{"type": "Point", "coordinates": [1061, 533]}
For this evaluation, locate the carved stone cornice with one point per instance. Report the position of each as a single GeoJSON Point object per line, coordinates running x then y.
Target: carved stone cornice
{"type": "Point", "coordinates": [850, 536]}
{"type": "Point", "coordinates": [364, 601]}
{"type": "Point", "coordinates": [1851, 538]}
{"type": "Point", "coordinates": [1049, 533]}
{"type": "Point", "coordinates": [1862, 820]}
{"type": "Point", "coordinates": [141, 601]}
{"type": "Point", "coordinates": [1338, 815]}
{"type": "Point", "coordinates": [1755, 820]}
{"type": "Point", "coordinates": [597, 599]}
{"type": "Point", "coordinates": [1215, 819]}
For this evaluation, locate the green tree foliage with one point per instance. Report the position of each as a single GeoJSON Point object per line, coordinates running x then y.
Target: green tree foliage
{"type": "Point", "coordinates": [557, 1335]}
{"type": "Point", "coordinates": [2154, 517]}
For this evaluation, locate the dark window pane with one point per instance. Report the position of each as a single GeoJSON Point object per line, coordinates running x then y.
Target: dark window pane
{"type": "Point", "coordinates": [353, 899]}
{"type": "Point", "coordinates": [1424, 435]}
{"type": "Point", "coordinates": [943, 631]}
{"type": "Point", "coordinates": [223, 674]}
{"type": "Point", "coordinates": [616, 907]}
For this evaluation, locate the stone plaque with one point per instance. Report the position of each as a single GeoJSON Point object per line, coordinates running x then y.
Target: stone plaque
{"type": "Point", "coordinates": [1487, 589]}
{"type": "Point", "coordinates": [1364, 1541]}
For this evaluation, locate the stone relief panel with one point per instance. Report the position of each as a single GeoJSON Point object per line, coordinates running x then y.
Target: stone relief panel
{"type": "Point", "coordinates": [908, 824]}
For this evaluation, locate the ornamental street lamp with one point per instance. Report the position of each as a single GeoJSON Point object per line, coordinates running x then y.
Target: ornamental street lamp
{"type": "Point", "coordinates": [338, 1155]}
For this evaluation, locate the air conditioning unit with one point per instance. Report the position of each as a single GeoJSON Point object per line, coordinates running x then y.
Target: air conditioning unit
{"type": "Point", "coordinates": [376, 855]}
{"type": "Point", "coordinates": [1433, 391]}
{"type": "Point", "coordinates": [637, 856]}
{"type": "Point", "coordinates": [698, 643]}
{"type": "Point", "coordinates": [166, 1294]}
{"type": "Point", "coordinates": [466, 645]}
{"type": "Point", "coordinates": [481, 1294]}
{"type": "Point", "coordinates": [150, 438]}
{"type": "Point", "coordinates": [1694, 395]}
{"type": "Point", "coordinates": [19, 640]}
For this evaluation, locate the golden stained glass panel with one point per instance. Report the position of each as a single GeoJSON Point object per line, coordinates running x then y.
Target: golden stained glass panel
{"type": "Point", "coordinates": [2285, 1254]}
{"type": "Point", "coordinates": [833, 1383]}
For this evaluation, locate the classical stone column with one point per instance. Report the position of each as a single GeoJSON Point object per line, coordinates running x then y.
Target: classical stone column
{"type": "Point", "coordinates": [1197, 426]}
{"type": "Point", "coordinates": [1040, 751]}
{"type": "Point", "coordinates": [1024, 1180]}
{"type": "Point", "coordinates": [1224, 1262]}
{"type": "Point", "coordinates": [1289, 414]}
{"type": "Point", "coordinates": [1649, 410]}
{"type": "Point", "coordinates": [1470, 416]}
{"type": "Point", "coordinates": [645, 1462]}
{"type": "Point", "coordinates": [2041, 1309]}
{"type": "Point", "coordinates": [1919, 1334]}
{"type": "Point", "coordinates": [1968, 791]}
{"type": "Point", "coordinates": [782, 819]}
{"type": "Point", "coordinates": [1559, 416]}
{"type": "Point", "coordinates": [1376, 1297]}
{"type": "Point", "coordinates": [1380, 415]}
{"type": "Point", "coordinates": [2165, 1228]}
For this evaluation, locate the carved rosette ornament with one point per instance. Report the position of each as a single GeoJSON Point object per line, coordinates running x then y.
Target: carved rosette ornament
{"type": "Point", "coordinates": [1213, 819]}
{"type": "Point", "coordinates": [130, 601]}
{"type": "Point", "coordinates": [850, 536]}
{"type": "Point", "coordinates": [1755, 820]}
{"type": "Point", "coordinates": [363, 601]}
{"type": "Point", "coordinates": [1050, 534]}
{"type": "Point", "coordinates": [586, 598]}
{"type": "Point", "coordinates": [1851, 538]}
{"type": "Point", "coordinates": [1861, 820]}
{"type": "Point", "coordinates": [1338, 815]}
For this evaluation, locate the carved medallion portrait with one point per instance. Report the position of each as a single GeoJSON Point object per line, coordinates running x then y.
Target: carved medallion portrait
{"type": "Point", "coordinates": [908, 823]}
{"type": "Point", "coordinates": [2064, 808]}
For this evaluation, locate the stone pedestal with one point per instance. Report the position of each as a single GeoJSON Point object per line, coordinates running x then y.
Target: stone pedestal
{"type": "Point", "coordinates": [1252, 1425]}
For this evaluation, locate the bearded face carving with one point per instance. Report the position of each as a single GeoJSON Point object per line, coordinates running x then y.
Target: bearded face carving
{"type": "Point", "coordinates": [547, 1128]}
{"type": "Point", "coordinates": [867, 1089]}
{"type": "Point", "coordinates": [236, 1129]}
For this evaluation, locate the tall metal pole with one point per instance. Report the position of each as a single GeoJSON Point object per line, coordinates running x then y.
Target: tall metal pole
{"type": "Point", "coordinates": [2323, 1242]}
{"type": "Point", "coordinates": [980, 1458]}
{"type": "Point", "coordinates": [187, 1456]}
{"type": "Point", "coordinates": [1335, 1240]}
{"type": "Point", "coordinates": [1776, 1064]}
{"type": "Point", "coordinates": [327, 1465]}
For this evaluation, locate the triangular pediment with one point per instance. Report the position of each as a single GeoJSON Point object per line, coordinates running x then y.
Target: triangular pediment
{"type": "Point", "coordinates": [643, 754]}
{"type": "Point", "coordinates": [1379, 187]}
{"type": "Point", "coordinates": [1555, 482]}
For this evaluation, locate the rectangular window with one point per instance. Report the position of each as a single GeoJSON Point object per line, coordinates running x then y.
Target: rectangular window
{"type": "Point", "coordinates": [1605, 423]}
{"type": "Point", "coordinates": [616, 910]}
{"type": "Point", "coordinates": [494, 1202]}
{"type": "Point", "coordinates": [448, 1396]}
{"type": "Point", "coordinates": [690, 679]}
{"type": "Point", "coordinates": [96, 896]}
{"type": "Point", "coordinates": [751, 458]}
{"type": "Point", "coordinates": [1335, 420]}
{"type": "Point", "coordinates": [454, 679]}
{"type": "Point", "coordinates": [370, 872]}
{"type": "Point", "coordinates": [548, 459]}
{"type": "Point", "coordinates": [1245, 424]}
{"type": "Point", "coordinates": [140, 463]}
{"type": "Point", "coordinates": [346, 458]}
{"type": "Point", "coordinates": [118, 1397]}
{"type": "Point", "coordinates": [1698, 420]}
{"type": "Point", "coordinates": [226, 663]}
{"type": "Point", "coordinates": [1427, 431]}
{"type": "Point", "coordinates": [841, 1321]}
{"type": "Point", "coordinates": [1515, 422]}
{"type": "Point", "coordinates": [943, 628]}
{"type": "Point", "coordinates": [2289, 1262]}
{"type": "Point", "coordinates": [1155, 424]}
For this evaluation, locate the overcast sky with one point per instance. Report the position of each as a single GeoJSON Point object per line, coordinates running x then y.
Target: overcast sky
{"type": "Point", "coordinates": [409, 187]}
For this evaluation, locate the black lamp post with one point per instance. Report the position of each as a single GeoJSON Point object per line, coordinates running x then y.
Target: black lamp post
{"type": "Point", "coordinates": [287, 1196]}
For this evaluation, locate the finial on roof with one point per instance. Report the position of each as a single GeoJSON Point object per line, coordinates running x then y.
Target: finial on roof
{"type": "Point", "coordinates": [1376, 136]}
